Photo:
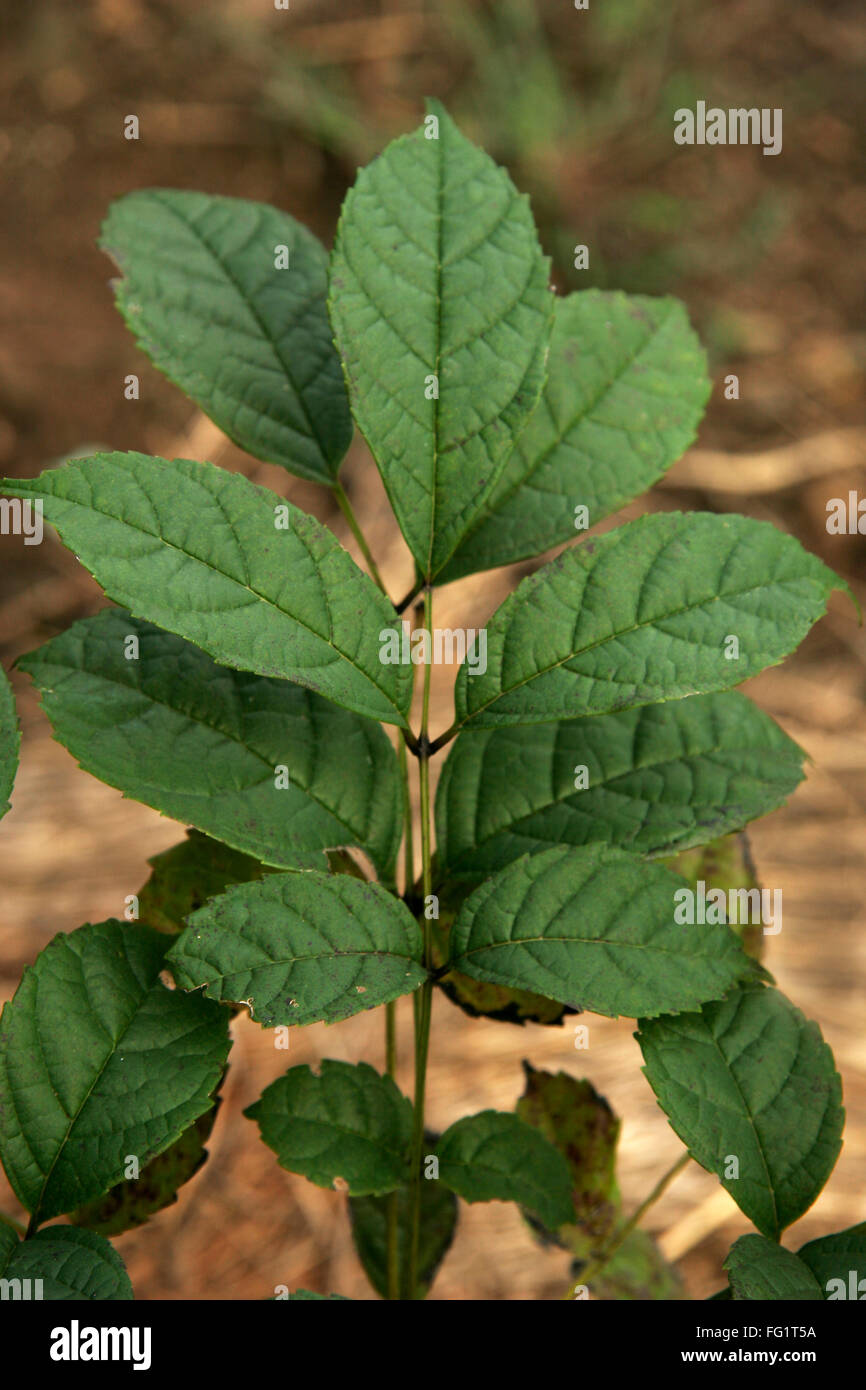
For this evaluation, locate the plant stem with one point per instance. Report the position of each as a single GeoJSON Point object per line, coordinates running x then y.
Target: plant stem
{"type": "Point", "coordinates": [441, 741]}
{"type": "Point", "coordinates": [10, 1221]}
{"type": "Point", "coordinates": [346, 508]}
{"type": "Point", "coordinates": [595, 1266]}
{"type": "Point", "coordinates": [425, 995]}
{"type": "Point", "coordinates": [393, 1214]}
{"type": "Point", "coordinates": [413, 593]}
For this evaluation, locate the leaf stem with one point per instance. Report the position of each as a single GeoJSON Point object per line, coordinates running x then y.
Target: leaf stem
{"type": "Point", "coordinates": [441, 741]}
{"type": "Point", "coordinates": [413, 593]}
{"type": "Point", "coordinates": [595, 1266]}
{"type": "Point", "coordinates": [425, 998]}
{"type": "Point", "coordinates": [346, 508]}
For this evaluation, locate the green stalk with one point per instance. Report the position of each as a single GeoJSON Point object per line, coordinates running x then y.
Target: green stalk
{"type": "Point", "coordinates": [393, 1212]}
{"type": "Point", "coordinates": [594, 1267]}
{"type": "Point", "coordinates": [346, 508]}
{"type": "Point", "coordinates": [425, 995]}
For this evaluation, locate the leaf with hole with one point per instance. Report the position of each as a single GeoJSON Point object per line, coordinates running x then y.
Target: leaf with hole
{"type": "Point", "coordinates": [301, 948]}
{"type": "Point", "coordinates": [349, 1123]}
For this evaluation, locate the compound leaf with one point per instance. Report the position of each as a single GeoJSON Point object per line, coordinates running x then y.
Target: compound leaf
{"type": "Point", "coordinates": [759, 1269]}
{"type": "Point", "coordinates": [231, 566]}
{"type": "Point", "coordinates": [749, 1078]}
{"type": "Point", "coordinates": [493, 1157]}
{"type": "Point", "coordinates": [626, 388]}
{"type": "Point", "coordinates": [98, 1060]}
{"type": "Point", "coordinates": [442, 314]}
{"type": "Point", "coordinates": [645, 614]}
{"type": "Point", "coordinates": [594, 928]}
{"type": "Point", "coordinates": [348, 1123]}
{"type": "Point", "coordinates": [300, 948]}
{"type": "Point", "coordinates": [71, 1263]}
{"type": "Point", "coordinates": [652, 780]}
{"type": "Point", "coordinates": [209, 297]}
{"type": "Point", "coordinates": [263, 765]}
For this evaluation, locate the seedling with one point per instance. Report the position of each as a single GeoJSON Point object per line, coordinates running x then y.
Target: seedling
{"type": "Point", "coordinates": [599, 765]}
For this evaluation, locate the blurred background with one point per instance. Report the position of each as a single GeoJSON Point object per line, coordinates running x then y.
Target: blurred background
{"type": "Point", "coordinates": [236, 97]}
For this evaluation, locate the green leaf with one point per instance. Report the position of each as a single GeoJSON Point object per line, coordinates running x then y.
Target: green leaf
{"type": "Point", "coordinates": [840, 1257]}
{"type": "Point", "coordinates": [749, 1078]}
{"type": "Point", "coordinates": [135, 1200]}
{"type": "Point", "coordinates": [10, 741]}
{"type": "Point", "coordinates": [593, 928]}
{"type": "Point", "coordinates": [626, 388]}
{"type": "Point", "coordinates": [651, 780]}
{"type": "Point", "coordinates": [637, 1271]}
{"type": "Point", "coordinates": [184, 877]}
{"type": "Point", "coordinates": [437, 277]}
{"type": "Point", "coordinates": [369, 1216]}
{"type": "Point", "coordinates": [196, 550]}
{"type": "Point", "coordinates": [725, 864]}
{"type": "Point", "coordinates": [581, 1125]}
{"type": "Point", "coordinates": [71, 1263]}
{"type": "Point", "coordinates": [494, 1157]}
{"type": "Point", "coordinates": [248, 341]}
{"type": "Point", "coordinates": [98, 1061]}
{"type": "Point", "coordinates": [479, 998]}
{"type": "Point", "coordinates": [761, 1270]}
{"type": "Point", "coordinates": [643, 615]}
{"type": "Point", "coordinates": [203, 744]}
{"type": "Point", "coordinates": [301, 947]}
{"type": "Point", "coordinates": [348, 1123]}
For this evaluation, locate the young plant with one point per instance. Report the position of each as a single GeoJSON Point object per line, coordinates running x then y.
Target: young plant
{"type": "Point", "coordinates": [597, 745]}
